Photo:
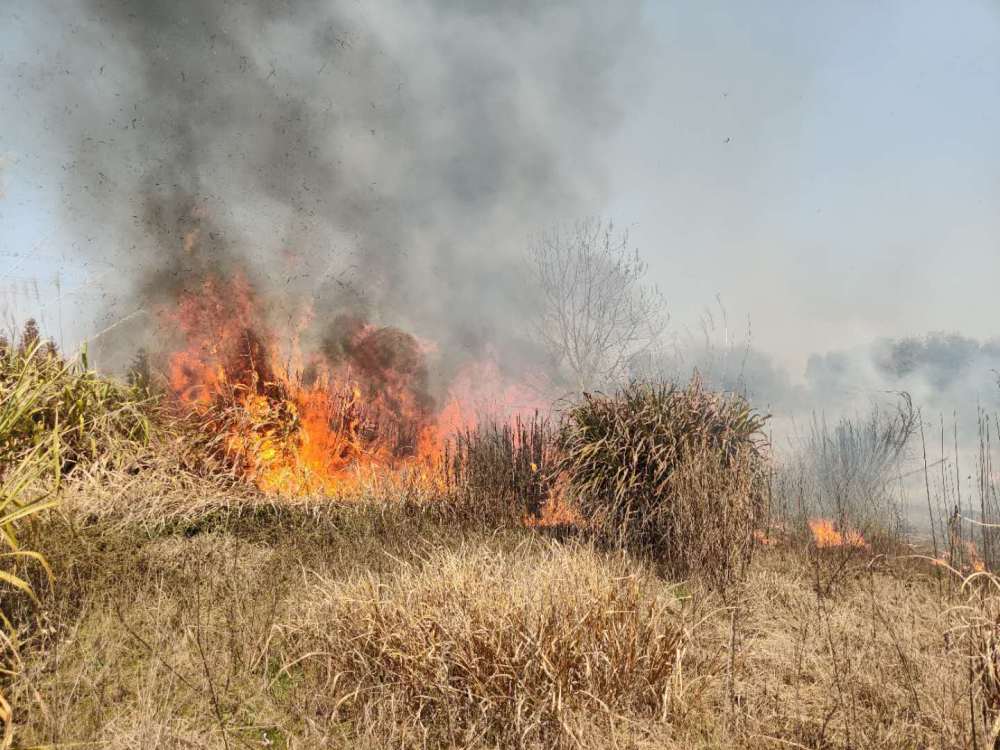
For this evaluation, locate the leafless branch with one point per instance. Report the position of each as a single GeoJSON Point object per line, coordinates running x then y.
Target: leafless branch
{"type": "Point", "coordinates": [597, 314]}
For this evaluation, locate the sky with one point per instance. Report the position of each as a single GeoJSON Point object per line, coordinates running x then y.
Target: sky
{"type": "Point", "coordinates": [830, 171]}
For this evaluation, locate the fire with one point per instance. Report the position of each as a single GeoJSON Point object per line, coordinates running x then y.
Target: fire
{"type": "Point", "coordinates": [556, 512]}
{"type": "Point", "coordinates": [763, 538]}
{"type": "Point", "coordinates": [773, 535]}
{"type": "Point", "coordinates": [976, 563]}
{"type": "Point", "coordinates": [826, 534]}
{"type": "Point", "coordinates": [290, 431]}
{"type": "Point", "coordinates": [966, 560]}
{"type": "Point", "coordinates": [299, 424]}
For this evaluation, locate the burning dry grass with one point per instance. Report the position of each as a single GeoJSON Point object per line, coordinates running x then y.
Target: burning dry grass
{"type": "Point", "coordinates": [301, 422]}
{"type": "Point", "coordinates": [505, 471]}
{"type": "Point", "coordinates": [825, 534]}
{"type": "Point", "coordinates": [192, 609]}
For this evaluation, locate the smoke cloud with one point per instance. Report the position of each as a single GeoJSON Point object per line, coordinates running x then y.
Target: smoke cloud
{"type": "Point", "coordinates": [388, 159]}
{"type": "Point", "coordinates": [948, 376]}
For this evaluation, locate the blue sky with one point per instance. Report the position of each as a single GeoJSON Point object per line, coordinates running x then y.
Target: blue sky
{"type": "Point", "coordinates": [831, 170]}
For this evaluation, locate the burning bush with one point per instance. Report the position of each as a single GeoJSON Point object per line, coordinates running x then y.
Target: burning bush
{"type": "Point", "coordinates": [293, 423]}
{"type": "Point", "coordinates": [678, 472]}
{"type": "Point", "coordinates": [310, 421]}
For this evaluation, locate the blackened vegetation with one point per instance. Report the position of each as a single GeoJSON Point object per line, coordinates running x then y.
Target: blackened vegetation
{"type": "Point", "coordinates": [392, 370]}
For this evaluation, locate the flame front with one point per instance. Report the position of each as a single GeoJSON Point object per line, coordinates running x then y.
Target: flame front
{"type": "Point", "coordinates": [297, 424]}
{"type": "Point", "coordinates": [290, 431]}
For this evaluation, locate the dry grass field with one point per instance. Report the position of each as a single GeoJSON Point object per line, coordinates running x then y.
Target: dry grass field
{"type": "Point", "coordinates": [387, 625]}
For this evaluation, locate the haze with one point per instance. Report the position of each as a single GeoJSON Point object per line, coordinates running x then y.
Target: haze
{"type": "Point", "coordinates": [830, 171]}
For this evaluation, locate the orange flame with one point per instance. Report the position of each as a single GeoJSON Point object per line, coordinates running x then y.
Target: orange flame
{"type": "Point", "coordinates": [555, 512]}
{"type": "Point", "coordinates": [966, 562]}
{"type": "Point", "coordinates": [763, 538]}
{"type": "Point", "coordinates": [296, 424]}
{"type": "Point", "coordinates": [976, 563]}
{"type": "Point", "coordinates": [825, 534]}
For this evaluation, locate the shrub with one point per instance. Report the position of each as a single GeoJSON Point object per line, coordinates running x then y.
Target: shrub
{"type": "Point", "coordinates": [94, 415]}
{"type": "Point", "coordinates": [676, 472]}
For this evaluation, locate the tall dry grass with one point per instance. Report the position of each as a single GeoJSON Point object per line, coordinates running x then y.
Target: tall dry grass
{"type": "Point", "coordinates": [188, 611]}
{"type": "Point", "coordinates": [677, 472]}
{"type": "Point", "coordinates": [54, 416]}
{"type": "Point", "coordinates": [24, 464]}
{"type": "Point", "coordinates": [95, 415]}
{"type": "Point", "coordinates": [848, 473]}
{"type": "Point", "coordinates": [366, 626]}
{"type": "Point", "coordinates": [501, 471]}
{"type": "Point", "coordinates": [469, 647]}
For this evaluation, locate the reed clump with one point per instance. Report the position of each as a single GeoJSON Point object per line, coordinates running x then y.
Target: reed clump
{"type": "Point", "coordinates": [54, 416]}
{"type": "Point", "coordinates": [502, 470]}
{"type": "Point", "coordinates": [678, 472]}
{"type": "Point", "coordinates": [46, 394]}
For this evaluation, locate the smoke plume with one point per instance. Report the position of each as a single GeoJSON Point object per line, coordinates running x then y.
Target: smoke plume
{"type": "Point", "coordinates": [384, 159]}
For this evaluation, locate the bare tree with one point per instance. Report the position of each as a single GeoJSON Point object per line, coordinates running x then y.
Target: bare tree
{"type": "Point", "coordinates": [597, 314]}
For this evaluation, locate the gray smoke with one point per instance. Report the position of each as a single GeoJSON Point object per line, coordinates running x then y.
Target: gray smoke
{"type": "Point", "coordinates": [391, 156]}
{"type": "Point", "coordinates": [948, 376]}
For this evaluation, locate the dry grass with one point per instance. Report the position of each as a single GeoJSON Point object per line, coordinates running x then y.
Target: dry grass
{"type": "Point", "coordinates": [871, 665]}
{"type": "Point", "coordinates": [848, 473]}
{"type": "Point", "coordinates": [677, 472]}
{"type": "Point", "coordinates": [978, 631]}
{"type": "Point", "coordinates": [385, 625]}
{"type": "Point", "coordinates": [503, 471]}
{"type": "Point", "coordinates": [53, 415]}
{"type": "Point", "coordinates": [191, 611]}
{"type": "Point", "coordinates": [471, 647]}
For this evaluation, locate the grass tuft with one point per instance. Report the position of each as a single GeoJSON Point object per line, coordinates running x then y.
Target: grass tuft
{"type": "Point", "coordinates": [676, 472]}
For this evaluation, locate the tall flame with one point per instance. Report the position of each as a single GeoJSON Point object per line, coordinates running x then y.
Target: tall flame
{"type": "Point", "coordinates": [299, 424]}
